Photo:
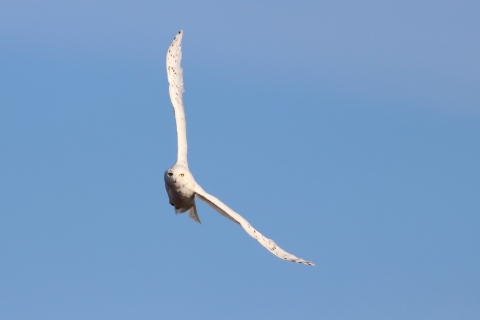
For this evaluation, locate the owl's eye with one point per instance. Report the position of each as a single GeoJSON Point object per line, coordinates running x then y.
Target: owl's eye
{"type": "Point", "coordinates": [170, 174]}
{"type": "Point", "coordinates": [181, 174]}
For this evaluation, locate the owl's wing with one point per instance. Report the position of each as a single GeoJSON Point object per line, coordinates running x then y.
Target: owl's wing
{"type": "Point", "coordinates": [175, 79]}
{"type": "Point", "coordinates": [225, 211]}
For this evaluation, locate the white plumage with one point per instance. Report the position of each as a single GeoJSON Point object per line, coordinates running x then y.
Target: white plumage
{"type": "Point", "coordinates": [179, 182]}
{"type": "Point", "coordinates": [175, 79]}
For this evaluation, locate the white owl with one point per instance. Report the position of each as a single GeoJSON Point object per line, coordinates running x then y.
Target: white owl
{"type": "Point", "coordinates": [181, 187]}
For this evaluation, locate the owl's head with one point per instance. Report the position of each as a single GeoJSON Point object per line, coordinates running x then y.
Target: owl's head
{"type": "Point", "coordinates": [178, 174]}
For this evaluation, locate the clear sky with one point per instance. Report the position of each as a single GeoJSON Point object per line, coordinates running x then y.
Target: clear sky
{"type": "Point", "coordinates": [347, 131]}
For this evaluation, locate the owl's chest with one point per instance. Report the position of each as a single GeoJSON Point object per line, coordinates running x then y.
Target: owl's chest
{"type": "Point", "coordinates": [180, 191]}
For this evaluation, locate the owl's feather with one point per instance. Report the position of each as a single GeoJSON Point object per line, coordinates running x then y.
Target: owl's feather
{"type": "Point", "coordinates": [224, 210]}
{"type": "Point", "coordinates": [176, 89]}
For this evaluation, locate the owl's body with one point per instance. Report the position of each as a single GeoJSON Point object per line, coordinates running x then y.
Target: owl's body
{"type": "Point", "coordinates": [180, 186]}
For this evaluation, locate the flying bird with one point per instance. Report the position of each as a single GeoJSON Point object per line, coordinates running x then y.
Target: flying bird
{"type": "Point", "coordinates": [182, 189]}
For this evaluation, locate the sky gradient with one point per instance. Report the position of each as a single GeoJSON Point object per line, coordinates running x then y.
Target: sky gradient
{"type": "Point", "coordinates": [347, 132]}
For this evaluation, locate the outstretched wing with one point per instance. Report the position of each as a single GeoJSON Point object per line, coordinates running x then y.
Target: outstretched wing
{"type": "Point", "coordinates": [225, 211]}
{"type": "Point", "coordinates": [175, 80]}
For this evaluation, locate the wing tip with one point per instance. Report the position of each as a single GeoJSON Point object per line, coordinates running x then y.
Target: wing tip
{"type": "Point", "coordinates": [305, 262]}
{"type": "Point", "coordinates": [179, 35]}
{"type": "Point", "coordinates": [301, 261]}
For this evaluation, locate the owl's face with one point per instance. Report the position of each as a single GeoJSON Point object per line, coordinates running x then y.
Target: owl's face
{"type": "Point", "coordinates": [178, 174]}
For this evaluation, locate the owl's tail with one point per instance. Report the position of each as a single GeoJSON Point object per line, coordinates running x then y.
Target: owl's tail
{"type": "Point", "coordinates": [192, 213]}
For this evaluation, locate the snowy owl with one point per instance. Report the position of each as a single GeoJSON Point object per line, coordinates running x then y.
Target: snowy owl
{"type": "Point", "coordinates": [181, 187]}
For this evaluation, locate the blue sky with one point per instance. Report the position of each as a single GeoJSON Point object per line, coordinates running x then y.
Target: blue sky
{"type": "Point", "coordinates": [346, 131]}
